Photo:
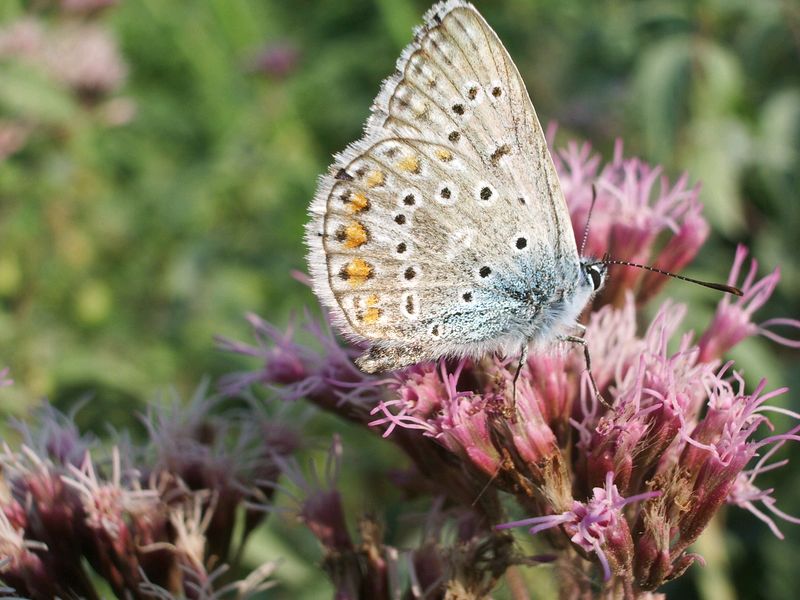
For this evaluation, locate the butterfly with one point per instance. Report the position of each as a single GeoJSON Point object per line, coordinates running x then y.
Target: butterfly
{"type": "Point", "coordinates": [444, 232]}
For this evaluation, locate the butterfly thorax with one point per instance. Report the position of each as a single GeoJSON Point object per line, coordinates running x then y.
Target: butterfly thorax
{"type": "Point", "coordinates": [562, 310]}
{"type": "Point", "coordinates": [537, 309]}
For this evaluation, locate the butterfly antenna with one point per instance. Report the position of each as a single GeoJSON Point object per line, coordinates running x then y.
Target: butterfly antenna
{"type": "Point", "coordinates": [729, 289]}
{"type": "Point", "coordinates": [588, 220]}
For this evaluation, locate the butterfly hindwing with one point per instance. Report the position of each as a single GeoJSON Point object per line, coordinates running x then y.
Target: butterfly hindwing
{"type": "Point", "coordinates": [397, 240]}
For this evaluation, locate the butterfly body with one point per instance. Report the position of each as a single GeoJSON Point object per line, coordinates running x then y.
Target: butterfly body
{"type": "Point", "coordinates": [444, 231]}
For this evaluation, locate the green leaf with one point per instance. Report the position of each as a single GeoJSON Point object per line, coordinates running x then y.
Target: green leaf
{"type": "Point", "coordinates": [779, 130]}
{"type": "Point", "coordinates": [27, 93]}
{"type": "Point", "coordinates": [661, 87]}
{"type": "Point", "coordinates": [399, 17]}
{"type": "Point", "coordinates": [716, 151]}
{"type": "Point", "coordinates": [717, 78]}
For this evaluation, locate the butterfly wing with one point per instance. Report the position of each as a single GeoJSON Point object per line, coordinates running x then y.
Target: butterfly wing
{"type": "Point", "coordinates": [444, 229]}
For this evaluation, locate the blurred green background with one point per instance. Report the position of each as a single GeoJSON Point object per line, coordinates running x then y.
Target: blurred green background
{"type": "Point", "coordinates": [157, 158]}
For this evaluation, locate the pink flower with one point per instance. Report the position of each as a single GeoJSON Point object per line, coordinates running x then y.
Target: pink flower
{"type": "Point", "coordinates": [357, 570]}
{"type": "Point", "coordinates": [56, 438]}
{"type": "Point", "coordinates": [745, 494]}
{"type": "Point", "coordinates": [461, 423]}
{"type": "Point", "coordinates": [86, 59]}
{"type": "Point", "coordinates": [592, 525]}
{"type": "Point", "coordinates": [135, 525]}
{"type": "Point", "coordinates": [326, 376]}
{"type": "Point", "coordinates": [285, 361]}
{"type": "Point", "coordinates": [419, 392]}
{"type": "Point", "coordinates": [107, 510]}
{"type": "Point", "coordinates": [22, 567]}
{"type": "Point", "coordinates": [733, 320]}
{"type": "Point", "coordinates": [320, 502]}
{"type": "Point", "coordinates": [634, 205]}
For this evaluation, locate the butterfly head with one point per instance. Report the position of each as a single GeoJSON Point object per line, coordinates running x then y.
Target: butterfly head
{"type": "Point", "coordinates": [593, 274]}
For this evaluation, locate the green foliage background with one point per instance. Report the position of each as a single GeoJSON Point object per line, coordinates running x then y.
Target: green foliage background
{"type": "Point", "coordinates": [124, 249]}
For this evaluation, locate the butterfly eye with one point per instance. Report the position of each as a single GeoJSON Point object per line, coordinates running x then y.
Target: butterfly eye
{"type": "Point", "coordinates": [596, 276]}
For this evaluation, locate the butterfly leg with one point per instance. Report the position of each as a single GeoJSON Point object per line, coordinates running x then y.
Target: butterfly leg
{"type": "Point", "coordinates": [574, 339]}
{"type": "Point", "coordinates": [523, 356]}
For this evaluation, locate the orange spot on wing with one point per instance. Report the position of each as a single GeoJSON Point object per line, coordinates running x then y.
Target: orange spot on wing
{"type": "Point", "coordinates": [355, 235]}
{"type": "Point", "coordinates": [444, 155]}
{"type": "Point", "coordinates": [409, 164]}
{"type": "Point", "coordinates": [358, 202]}
{"type": "Point", "coordinates": [357, 272]}
{"type": "Point", "coordinates": [372, 315]}
{"type": "Point", "coordinates": [375, 178]}
{"type": "Point", "coordinates": [372, 300]}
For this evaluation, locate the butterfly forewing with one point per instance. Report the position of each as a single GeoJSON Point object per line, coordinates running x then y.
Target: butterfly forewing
{"type": "Point", "coordinates": [435, 226]}
{"type": "Point", "coordinates": [459, 83]}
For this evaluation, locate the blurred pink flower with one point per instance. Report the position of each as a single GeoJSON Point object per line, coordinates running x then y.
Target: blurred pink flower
{"type": "Point", "coordinates": [21, 567]}
{"type": "Point", "coordinates": [82, 56]}
{"type": "Point", "coordinates": [86, 6]}
{"type": "Point", "coordinates": [277, 59]}
{"type": "Point", "coordinates": [165, 524]}
{"type": "Point", "coordinates": [22, 38]}
{"type": "Point", "coordinates": [86, 58]}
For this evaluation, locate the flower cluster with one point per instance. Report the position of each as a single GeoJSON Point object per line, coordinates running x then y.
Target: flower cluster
{"type": "Point", "coordinates": [635, 206]}
{"type": "Point", "coordinates": [161, 529]}
{"type": "Point", "coordinates": [619, 489]}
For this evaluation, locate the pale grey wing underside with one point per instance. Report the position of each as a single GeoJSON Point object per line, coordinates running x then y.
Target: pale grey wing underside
{"type": "Point", "coordinates": [428, 230]}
